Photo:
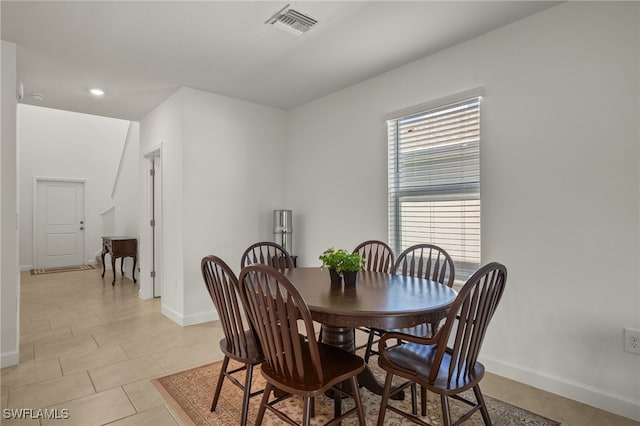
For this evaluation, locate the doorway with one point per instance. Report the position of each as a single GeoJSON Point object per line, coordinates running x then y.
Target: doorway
{"type": "Point", "coordinates": [58, 215]}
{"type": "Point", "coordinates": [154, 208]}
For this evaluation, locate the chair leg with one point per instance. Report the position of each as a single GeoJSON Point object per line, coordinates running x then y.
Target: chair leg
{"type": "Point", "coordinates": [385, 399]}
{"type": "Point", "coordinates": [423, 401]}
{"type": "Point", "coordinates": [247, 394]}
{"type": "Point", "coordinates": [483, 406]}
{"type": "Point", "coordinates": [263, 403]}
{"type": "Point", "coordinates": [414, 403]}
{"type": "Point", "coordinates": [216, 395]}
{"type": "Point", "coordinates": [337, 401]}
{"type": "Point", "coordinates": [367, 352]}
{"type": "Point", "coordinates": [446, 413]}
{"type": "Point", "coordinates": [357, 400]}
{"type": "Point", "coordinates": [306, 414]}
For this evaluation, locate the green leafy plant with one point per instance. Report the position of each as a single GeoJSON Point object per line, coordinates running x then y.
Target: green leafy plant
{"type": "Point", "coordinates": [341, 260]}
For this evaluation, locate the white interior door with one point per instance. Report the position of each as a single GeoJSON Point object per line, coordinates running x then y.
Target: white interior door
{"type": "Point", "coordinates": [59, 220]}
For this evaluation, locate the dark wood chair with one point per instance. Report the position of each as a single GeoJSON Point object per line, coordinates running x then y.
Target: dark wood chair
{"type": "Point", "coordinates": [378, 257]}
{"type": "Point", "coordinates": [240, 343]}
{"type": "Point", "coordinates": [433, 263]}
{"type": "Point", "coordinates": [443, 369]}
{"type": "Point", "coordinates": [294, 365]}
{"type": "Point", "coordinates": [267, 253]}
{"type": "Point", "coordinates": [424, 261]}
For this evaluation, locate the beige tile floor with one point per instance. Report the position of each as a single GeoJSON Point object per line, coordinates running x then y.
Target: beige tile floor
{"type": "Point", "coordinates": [93, 349]}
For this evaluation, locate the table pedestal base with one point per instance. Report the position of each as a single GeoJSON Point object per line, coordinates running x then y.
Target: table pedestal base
{"type": "Point", "coordinates": [344, 338]}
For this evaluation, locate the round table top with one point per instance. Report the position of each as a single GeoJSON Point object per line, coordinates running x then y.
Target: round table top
{"type": "Point", "coordinates": [378, 300]}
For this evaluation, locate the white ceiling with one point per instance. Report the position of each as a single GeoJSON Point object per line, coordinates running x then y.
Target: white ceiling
{"type": "Point", "coordinates": [141, 52]}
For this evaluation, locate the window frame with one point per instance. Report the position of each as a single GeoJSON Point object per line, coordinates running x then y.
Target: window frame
{"type": "Point", "coordinates": [426, 193]}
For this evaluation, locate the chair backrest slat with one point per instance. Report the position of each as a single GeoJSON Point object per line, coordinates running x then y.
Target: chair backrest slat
{"type": "Point", "coordinates": [378, 255]}
{"type": "Point", "coordinates": [426, 261]}
{"type": "Point", "coordinates": [274, 306]}
{"type": "Point", "coordinates": [222, 286]}
{"type": "Point", "coordinates": [467, 321]}
{"type": "Point", "coordinates": [267, 253]}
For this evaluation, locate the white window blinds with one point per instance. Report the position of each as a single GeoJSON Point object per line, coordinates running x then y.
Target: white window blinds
{"type": "Point", "coordinates": [434, 182]}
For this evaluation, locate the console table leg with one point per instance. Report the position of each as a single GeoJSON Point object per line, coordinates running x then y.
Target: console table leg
{"type": "Point", "coordinates": [133, 271]}
{"type": "Point", "coordinates": [113, 268]}
{"type": "Point", "coordinates": [103, 265]}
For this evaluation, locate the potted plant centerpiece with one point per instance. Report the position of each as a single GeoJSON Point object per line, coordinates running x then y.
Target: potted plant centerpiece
{"type": "Point", "coordinates": [342, 263]}
{"type": "Point", "coordinates": [352, 263]}
{"type": "Point", "coordinates": [332, 259]}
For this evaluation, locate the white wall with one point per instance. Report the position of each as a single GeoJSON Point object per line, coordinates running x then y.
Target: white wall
{"type": "Point", "coordinates": [560, 187]}
{"type": "Point", "coordinates": [235, 163]}
{"type": "Point", "coordinates": [126, 191]}
{"type": "Point", "coordinates": [163, 127]}
{"type": "Point", "coordinates": [62, 144]}
{"type": "Point", "coordinates": [10, 287]}
{"type": "Point", "coordinates": [223, 167]}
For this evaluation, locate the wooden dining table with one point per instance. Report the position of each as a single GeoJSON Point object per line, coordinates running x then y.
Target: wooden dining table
{"type": "Point", "coordinates": [378, 300]}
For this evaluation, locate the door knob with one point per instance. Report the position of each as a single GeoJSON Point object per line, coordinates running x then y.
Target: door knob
{"type": "Point", "coordinates": [82, 228]}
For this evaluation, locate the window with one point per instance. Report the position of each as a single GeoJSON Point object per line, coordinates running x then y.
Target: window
{"type": "Point", "coordinates": [434, 181]}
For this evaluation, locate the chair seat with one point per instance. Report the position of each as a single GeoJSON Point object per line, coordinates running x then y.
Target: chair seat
{"type": "Point", "coordinates": [337, 366]}
{"type": "Point", "coordinates": [249, 354]}
{"type": "Point", "coordinates": [420, 330]}
{"type": "Point", "coordinates": [413, 361]}
{"type": "Point", "coordinates": [425, 329]}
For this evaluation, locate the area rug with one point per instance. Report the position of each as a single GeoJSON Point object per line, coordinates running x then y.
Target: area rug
{"type": "Point", "coordinates": [63, 269]}
{"type": "Point", "coordinates": [190, 393]}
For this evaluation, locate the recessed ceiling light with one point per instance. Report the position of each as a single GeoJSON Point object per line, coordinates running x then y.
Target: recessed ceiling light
{"type": "Point", "coordinates": [97, 92]}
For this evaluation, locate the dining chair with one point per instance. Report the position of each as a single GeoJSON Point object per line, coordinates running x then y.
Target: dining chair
{"type": "Point", "coordinates": [426, 261]}
{"type": "Point", "coordinates": [239, 343]}
{"type": "Point", "coordinates": [447, 363]}
{"type": "Point", "coordinates": [378, 257]}
{"type": "Point", "coordinates": [431, 262]}
{"type": "Point", "coordinates": [294, 365]}
{"type": "Point", "coordinates": [267, 253]}
{"type": "Point", "coordinates": [422, 261]}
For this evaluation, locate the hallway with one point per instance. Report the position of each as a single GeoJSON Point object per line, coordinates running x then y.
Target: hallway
{"type": "Point", "coordinates": [92, 348]}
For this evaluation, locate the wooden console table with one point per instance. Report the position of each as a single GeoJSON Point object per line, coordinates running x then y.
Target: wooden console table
{"type": "Point", "coordinates": [120, 247]}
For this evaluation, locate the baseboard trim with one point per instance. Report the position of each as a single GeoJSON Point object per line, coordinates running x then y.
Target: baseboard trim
{"type": "Point", "coordinates": [608, 401]}
{"type": "Point", "coordinates": [26, 268]}
{"type": "Point", "coordinates": [171, 314]}
{"type": "Point", "coordinates": [201, 317]}
{"type": "Point", "coordinates": [189, 319]}
{"type": "Point", "coordinates": [7, 359]}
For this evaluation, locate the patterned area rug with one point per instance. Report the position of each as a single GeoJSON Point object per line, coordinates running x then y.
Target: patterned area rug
{"type": "Point", "coordinates": [64, 269]}
{"type": "Point", "coordinates": [190, 393]}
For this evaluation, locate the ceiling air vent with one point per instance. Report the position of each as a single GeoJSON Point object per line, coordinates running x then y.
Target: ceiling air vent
{"type": "Point", "coordinates": [292, 21]}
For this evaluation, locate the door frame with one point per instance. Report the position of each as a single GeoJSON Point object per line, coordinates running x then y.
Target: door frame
{"type": "Point", "coordinates": [149, 284]}
{"type": "Point", "coordinates": [34, 226]}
